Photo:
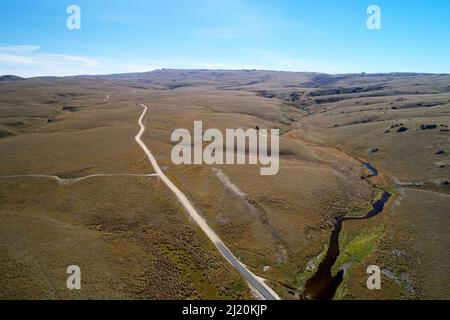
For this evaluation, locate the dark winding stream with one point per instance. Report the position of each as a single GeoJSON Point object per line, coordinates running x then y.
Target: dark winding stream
{"type": "Point", "coordinates": [322, 285]}
{"type": "Point", "coordinates": [371, 168]}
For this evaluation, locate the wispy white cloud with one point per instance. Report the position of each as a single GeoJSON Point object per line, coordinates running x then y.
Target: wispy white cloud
{"type": "Point", "coordinates": [68, 59]}
{"type": "Point", "coordinates": [19, 49]}
{"type": "Point", "coordinates": [27, 60]}
{"type": "Point", "coordinates": [12, 59]}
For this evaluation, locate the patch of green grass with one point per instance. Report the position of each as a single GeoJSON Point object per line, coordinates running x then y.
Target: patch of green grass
{"type": "Point", "coordinates": [355, 249]}
{"type": "Point", "coordinates": [363, 212]}
{"type": "Point", "coordinates": [401, 269]}
{"type": "Point", "coordinates": [359, 247]}
{"type": "Point", "coordinates": [341, 291]}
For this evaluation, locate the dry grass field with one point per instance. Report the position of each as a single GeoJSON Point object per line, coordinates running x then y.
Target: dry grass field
{"type": "Point", "coordinates": [131, 237]}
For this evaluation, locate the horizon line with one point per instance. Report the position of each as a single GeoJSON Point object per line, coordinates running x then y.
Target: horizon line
{"type": "Point", "coordinates": [229, 70]}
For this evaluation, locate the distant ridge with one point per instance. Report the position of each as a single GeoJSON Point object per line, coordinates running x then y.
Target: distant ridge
{"type": "Point", "coordinates": [9, 77]}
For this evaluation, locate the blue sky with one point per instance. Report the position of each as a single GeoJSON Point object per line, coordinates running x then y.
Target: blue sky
{"type": "Point", "coordinates": [296, 35]}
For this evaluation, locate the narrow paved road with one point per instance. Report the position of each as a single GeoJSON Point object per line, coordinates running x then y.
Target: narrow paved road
{"type": "Point", "coordinates": [254, 281]}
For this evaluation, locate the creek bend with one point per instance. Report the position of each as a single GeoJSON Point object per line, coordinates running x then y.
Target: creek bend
{"type": "Point", "coordinates": [323, 285]}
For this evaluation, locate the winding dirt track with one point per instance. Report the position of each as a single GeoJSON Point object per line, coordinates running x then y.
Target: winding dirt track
{"type": "Point", "coordinates": [255, 282]}
{"type": "Point", "coordinates": [64, 181]}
